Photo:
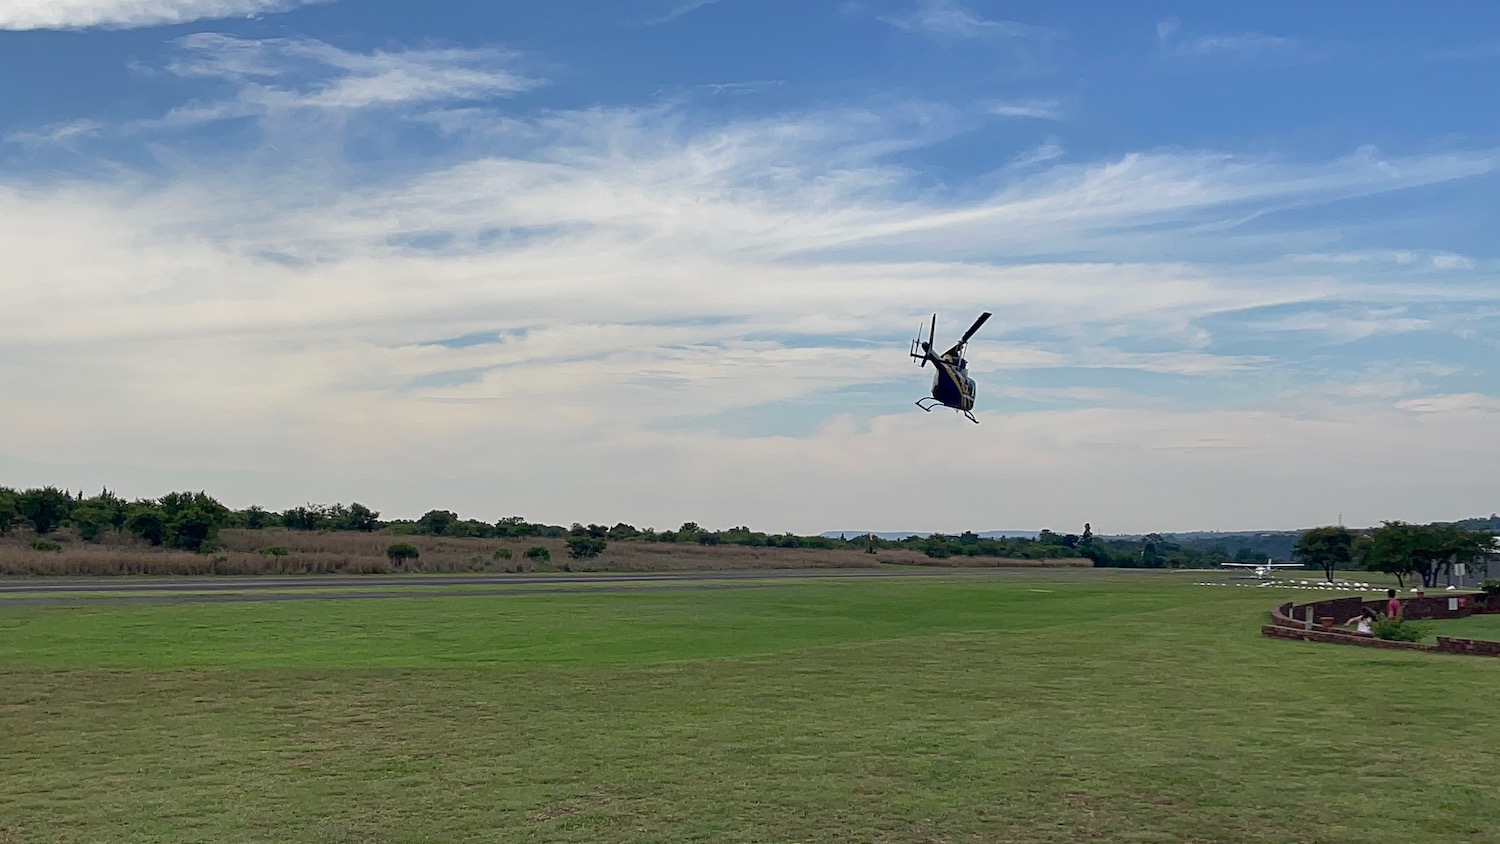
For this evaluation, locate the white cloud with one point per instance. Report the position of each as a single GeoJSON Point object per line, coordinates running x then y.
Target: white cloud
{"type": "Point", "coordinates": [679, 10]}
{"type": "Point", "coordinates": [1399, 257]}
{"type": "Point", "coordinates": [83, 14]}
{"type": "Point", "coordinates": [1248, 43]}
{"type": "Point", "coordinates": [1449, 261]}
{"type": "Point", "coordinates": [342, 79]}
{"type": "Point", "coordinates": [1048, 150]}
{"type": "Point", "coordinates": [1168, 31]}
{"type": "Point", "coordinates": [950, 19]}
{"type": "Point", "coordinates": [1348, 324]}
{"type": "Point", "coordinates": [1043, 109]}
{"type": "Point", "coordinates": [1453, 403]}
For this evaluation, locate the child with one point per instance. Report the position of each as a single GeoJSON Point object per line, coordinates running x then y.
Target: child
{"type": "Point", "coordinates": [1363, 621]}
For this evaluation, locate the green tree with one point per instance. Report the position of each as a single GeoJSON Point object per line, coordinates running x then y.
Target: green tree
{"type": "Point", "coordinates": [1427, 551]}
{"type": "Point", "coordinates": [401, 552]}
{"type": "Point", "coordinates": [257, 518]}
{"type": "Point", "coordinates": [147, 522]}
{"type": "Point", "coordinates": [1327, 548]}
{"type": "Point", "coordinates": [622, 531]}
{"type": "Point", "coordinates": [1390, 549]}
{"type": "Point", "coordinates": [90, 520]}
{"type": "Point", "coordinates": [305, 517]}
{"type": "Point", "coordinates": [1449, 544]}
{"type": "Point", "coordinates": [1152, 551]}
{"type": "Point", "coordinates": [10, 511]}
{"type": "Point", "coordinates": [436, 522]}
{"type": "Point", "coordinates": [359, 517]}
{"type": "Point", "coordinates": [195, 528]}
{"type": "Point", "coordinates": [45, 508]}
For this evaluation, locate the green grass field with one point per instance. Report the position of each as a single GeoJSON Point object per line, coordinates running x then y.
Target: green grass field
{"type": "Point", "coordinates": [1030, 707]}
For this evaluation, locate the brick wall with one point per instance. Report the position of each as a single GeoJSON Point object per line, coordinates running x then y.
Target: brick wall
{"type": "Point", "coordinates": [1288, 621]}
{"type": "Point", "coordinates": [1315, 635]}
{"type": "Point", "coordinates": [1478, 647]}
{"type": "Point", "coordinates": [1294, 616]}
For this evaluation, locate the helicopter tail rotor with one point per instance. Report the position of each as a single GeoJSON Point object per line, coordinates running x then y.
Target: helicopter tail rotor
{"type": "Point", "coordinates": [925, 347]}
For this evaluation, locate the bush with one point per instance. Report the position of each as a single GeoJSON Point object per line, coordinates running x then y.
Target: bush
{"type": "Point", "coordinates": [502, 554]}
{"type": "Point", "coordinates": [1492, 586]}
{"type": "Point", "coordinates": [1396, 630]}
{"type": "Point", "coordinates": [400, 552]}
{"type": "Point", "coordinates": [45, 545]}
{"type": "Point", "coordinates": [537, 552]}
{"type": "Point", "coordinates": [274, 551]}
{"type": "Point", "coordinates": [583, 547]}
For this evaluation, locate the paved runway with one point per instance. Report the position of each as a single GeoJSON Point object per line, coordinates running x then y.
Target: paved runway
{"type": "Point", "coordinates": [339, 587]}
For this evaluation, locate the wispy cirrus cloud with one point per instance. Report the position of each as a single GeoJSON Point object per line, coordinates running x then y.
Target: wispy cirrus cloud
{"type": "Point", "coordinates": [1039, 109]}
{"type": "Point", "coordinates": [686, 7]}
{"type": "Point", "coordinates": [124, 14]}
{"type": "Point", "coordinates": [1173, 40]}
{"type": "Point", "coordinates": [1451, 403]}
{"type": "Point", "coordinates": [322, 76]}
{"type": "Point", "coordinates": [951, 19]}
{"type": "Point", "coordinates": [1400, 257]}
{"type": "Point", "coordinates": [282, 76]}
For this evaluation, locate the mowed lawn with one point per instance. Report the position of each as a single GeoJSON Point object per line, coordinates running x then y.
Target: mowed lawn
{"type": "Point", "coordinates": [1025, 707]}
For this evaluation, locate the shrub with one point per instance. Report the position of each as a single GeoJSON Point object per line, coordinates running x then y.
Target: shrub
{"type": "Point", "coordinates": [45, 545]}
{"type": "Point", "coordinates": [1492, 586]}
{"type": "Point", "coordinates": [502, 554]}
{"type": "Point", "coordinates": [583, 547]}
{"type": "Point", "coordinates": [401, 552]}
{"type": "Point", "coordinates": [537, 552]}
{"type": "Point", "coordinates": [274, 551]}
{"type": "Point", "coordinates": [1396, 630]}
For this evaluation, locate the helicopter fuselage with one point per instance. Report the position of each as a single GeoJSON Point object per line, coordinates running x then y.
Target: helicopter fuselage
{"type": "Point", "coordinates": [951, 384]}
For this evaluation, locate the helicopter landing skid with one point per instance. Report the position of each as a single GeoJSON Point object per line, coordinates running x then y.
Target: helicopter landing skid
{"type": "Point", "coordinates": [936, 403]}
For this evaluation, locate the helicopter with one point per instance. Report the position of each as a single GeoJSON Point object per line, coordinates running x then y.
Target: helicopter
{"type": "Point", "coordinates": [951, 384]}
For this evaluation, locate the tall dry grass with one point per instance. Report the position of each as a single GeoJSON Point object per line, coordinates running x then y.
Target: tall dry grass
{"type": "Point", "coordinates": [310, 552]}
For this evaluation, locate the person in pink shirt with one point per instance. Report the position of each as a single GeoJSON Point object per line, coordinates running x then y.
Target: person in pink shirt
{"type": "Point", "coordinates": [1393, 604]}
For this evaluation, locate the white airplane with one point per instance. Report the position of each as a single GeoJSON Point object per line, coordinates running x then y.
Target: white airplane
{"type": "Point", "coordinates": [1264, 571]}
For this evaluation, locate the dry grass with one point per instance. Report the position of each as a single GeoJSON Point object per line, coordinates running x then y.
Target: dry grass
{"type": "Point", "coordinates": [364, 553]}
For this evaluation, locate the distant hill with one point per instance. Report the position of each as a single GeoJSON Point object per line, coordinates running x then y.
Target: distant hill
{"type": "Point", "coordinates": [902, 534]}
{"type": "Point", "coordinates": [1238, 544]}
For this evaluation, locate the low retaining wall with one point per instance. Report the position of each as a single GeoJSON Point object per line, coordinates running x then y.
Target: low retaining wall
{"type": "Point", "coordinates": [1319, 622]}
{"type": "Point", "coordinates": [1478, 647]}
{"type": "Point", "coordinates": [1363, 640]}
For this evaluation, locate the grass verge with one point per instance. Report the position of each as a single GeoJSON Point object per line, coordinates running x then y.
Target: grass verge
{"type": "Point", "coordinates": [1029, 710]}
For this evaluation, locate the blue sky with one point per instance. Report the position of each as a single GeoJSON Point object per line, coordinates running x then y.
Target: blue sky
{"type": "Point", "coordinates": [659, 261]}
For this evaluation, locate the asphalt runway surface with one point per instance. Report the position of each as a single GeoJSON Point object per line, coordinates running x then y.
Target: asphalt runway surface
{"type": "Point", "coordinates": [345, 587]}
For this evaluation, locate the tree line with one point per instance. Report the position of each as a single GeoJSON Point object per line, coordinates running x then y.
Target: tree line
{"type": "Point", "coordinates": [192, 520]}
{"type": "Point", "coordinates": [1398, 548]}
